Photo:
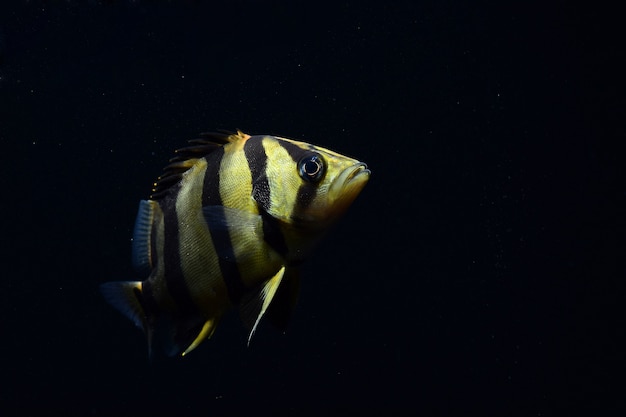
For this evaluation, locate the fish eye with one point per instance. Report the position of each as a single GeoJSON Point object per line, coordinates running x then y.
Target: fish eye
{"type": "Point", "coordinates": [312, 167]}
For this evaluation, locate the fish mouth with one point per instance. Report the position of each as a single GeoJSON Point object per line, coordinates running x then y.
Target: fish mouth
{"type": "Point", "coordinates": [348, 185]}
{"type": "Point", "coordinates": [356, 170]}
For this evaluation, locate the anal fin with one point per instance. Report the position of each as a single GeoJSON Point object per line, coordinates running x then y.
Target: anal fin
{"type": "Point", "coordinates": [206, 332]}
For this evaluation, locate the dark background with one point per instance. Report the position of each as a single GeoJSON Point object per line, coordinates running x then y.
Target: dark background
{"type": "Point", "coordinates": [481, 271]}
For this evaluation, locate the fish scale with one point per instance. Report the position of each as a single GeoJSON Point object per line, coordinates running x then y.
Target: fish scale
{"type": "Point", "coordinates": [226, 225]}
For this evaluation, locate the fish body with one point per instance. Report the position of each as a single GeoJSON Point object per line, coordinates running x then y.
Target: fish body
{"type": "Point", "coordinates": [227, 225]}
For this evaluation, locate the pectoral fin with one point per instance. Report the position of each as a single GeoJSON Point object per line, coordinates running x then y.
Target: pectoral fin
{"type": "Point", "coordinates": [255, 304]}
{"type": "Point", "coordinates": [229, 225]}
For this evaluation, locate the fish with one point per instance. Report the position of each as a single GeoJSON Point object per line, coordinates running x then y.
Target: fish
{"type": "Point", "coordinates": [227, 226]}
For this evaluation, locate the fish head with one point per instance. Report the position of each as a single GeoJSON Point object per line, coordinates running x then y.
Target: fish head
{"type": "Point", "coordinates": [337, 181]}
{"type": "Point", "coordinates": [311, 186]}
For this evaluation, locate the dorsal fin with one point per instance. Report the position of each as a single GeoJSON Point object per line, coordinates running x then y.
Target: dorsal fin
{"type": "Point", "coordinates": [143, 251]}
{"type": "Point", "coordinates": [186, 158]}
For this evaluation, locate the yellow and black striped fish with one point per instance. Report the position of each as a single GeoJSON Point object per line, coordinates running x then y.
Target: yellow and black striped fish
{"type": "Point", "coordinates": [227, 225]}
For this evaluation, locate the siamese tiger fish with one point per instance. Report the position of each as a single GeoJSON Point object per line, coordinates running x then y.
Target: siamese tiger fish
{"type": "Point", "coordinates": [227, 225]}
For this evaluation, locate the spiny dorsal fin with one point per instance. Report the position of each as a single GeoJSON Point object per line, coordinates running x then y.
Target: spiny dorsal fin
{"type": "Point", "coordinates": [186, 158]}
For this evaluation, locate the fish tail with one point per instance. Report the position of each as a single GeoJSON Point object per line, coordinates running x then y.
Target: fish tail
{"type": "Point", "coordinates": [166, 333]}
{"type": "Point", "coordinates": [127, 298]}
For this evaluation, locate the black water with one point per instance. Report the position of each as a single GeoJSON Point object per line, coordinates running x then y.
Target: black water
{"type": "Point", "coordinates": [481, 271]}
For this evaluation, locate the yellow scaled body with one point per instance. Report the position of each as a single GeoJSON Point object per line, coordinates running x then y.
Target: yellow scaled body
{"type": "Point", "coordinates": [227, 225]}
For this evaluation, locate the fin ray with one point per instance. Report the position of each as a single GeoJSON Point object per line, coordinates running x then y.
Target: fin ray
{"type": "Point", "coordinates": [142, 240]}
{"type": "Point", "coordinates": [284, 303]}
{"type": "Point", "coordinates": [124, 296]}
{"type": "Point", "coordinates": [206, 332]}
{"type": "Point", "coordinates": [186, 158]}
{"type": "Point", "coordinates": [255, 303]}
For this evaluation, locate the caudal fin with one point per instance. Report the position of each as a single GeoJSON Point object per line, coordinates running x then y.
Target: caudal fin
{"type": "Point", "coordinates": [167, 333]}
{"type": "Point", "coordinates": [127, 298]}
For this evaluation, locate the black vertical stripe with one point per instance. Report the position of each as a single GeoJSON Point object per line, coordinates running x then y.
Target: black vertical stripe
{"type": "Point", "coordinates": [220, 235]}
{"type": "Point", "coordinates": [261, 192]}
{"type": "Point", "coordinates": [293, 150]}
{"type": "Point", "coordinates": [307, 190]}
{"type": "Point", "coordinates": [174, 277]}
{"type": "Point", "coordinates": [257, 162]}
{"type": "Point", "coordinates": [273, 235]}
{"type": "Point", "coordinates": [306, 194]}
{"type": "Point", "coordinates": [211, 184]}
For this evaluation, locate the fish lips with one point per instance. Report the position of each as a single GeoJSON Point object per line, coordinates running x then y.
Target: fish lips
{"type": "Point", "coordinates": [347, 186]}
